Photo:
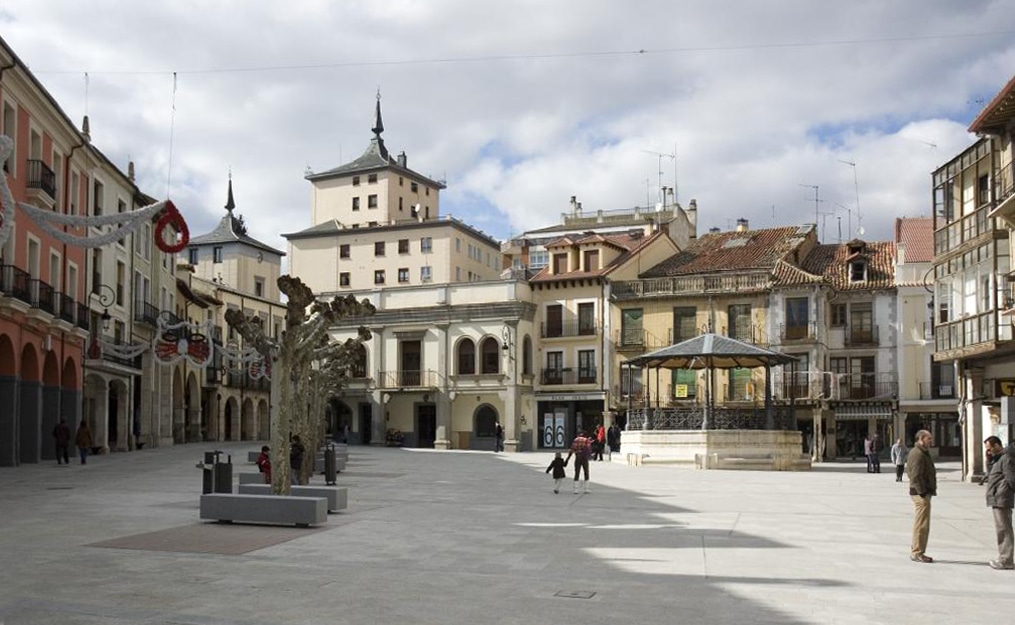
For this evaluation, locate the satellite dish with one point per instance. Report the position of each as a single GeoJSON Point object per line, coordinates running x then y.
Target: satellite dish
{"type": "Point", "coordinates": [860, 231]}
{"type": "Point", "coordinates": [659, 207]}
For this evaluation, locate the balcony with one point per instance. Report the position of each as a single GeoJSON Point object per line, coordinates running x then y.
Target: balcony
{"type": "Point", "coordinates": [16, 283]}
{"type": "Point", "coordinates": [930, 390]}
{"type": "Point", "coordinates": [45, 296]}
{"type": "Point", "coordinates": [146, 313]}
{"type": "Point", "coordinates": [41, 183]}
{"type": "Point", "coordinates": [639, 340]}
{"type": "Point", "coordinates": [861, 336]}
{"type": "Point", "coordinates": [971, 335]}
{"type": "Point", "coordinates": [866, 386]}
{"type": "Point", "coordinates": [806, 333]}
{"type": "Point", "coordinates": [82, 316]}
{"type": "Point", "coordinates": [572, 327]}
{"type": "Point", "coordinates": [559, 377]}
{"type": "Point", "coordinates": [803, 386]}
{"type": "Point", "coordinates": [691, 285]}
{"type": "Point", "coordinates": [408, 379]}
{"type": "Point", "coordinates": [745, 335]}
{"type": "Point", "coordinates": [67, 307]}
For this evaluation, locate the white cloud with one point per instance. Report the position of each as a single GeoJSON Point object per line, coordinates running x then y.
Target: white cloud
{"type": "Point", "coordinates": [523, 104]}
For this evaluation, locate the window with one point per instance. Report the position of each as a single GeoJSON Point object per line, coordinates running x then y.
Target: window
{"type": "Point", "coordinates": [98, 197]}
{"type": "Point", "coordinates": [796, 318]}
{"type": "Point", "coordinates": [401, 181]}
{"type": "Point", "coordinates": [216, 254]}
{"type": "Point", "coordinates": [741, 386]}
{"type": "Point", "coordinates": [586, 319]}
{"type": "Point", "coordinates": [75, 190]}
{"type": "Point", "coordinates": [857, 271]}
{"type": "Point", "coordinates": [491, 355]}
{"type": "Point", "coordinates": [343, 278]}
{"type": "Point", "coordinates": [428, 190]}
{"type": "Point", "coordinates": [458, 245]}
{"type": "Point", "coordinates": [121, 279]}
{"type": "Point", "coordinates": [861, 322]}
{"type": "Point", "coordinates": [403, 246]}
{"type": "Point", "coordinates": [372, 200]}
{"type": "Point", "coordinates": [372, 178]}
{"type": "Point", "coordinates": [685, 324]}
{"type": "Point", "coordinates": [738, 317]}
{"type": "Point", "coordinates": [426, 245]}
{"type": "Point", "coordinates": [684, 384]}
{"type": "Point", "coordinates": [527, 355]}
{"type": "Point", "coordinates": [590, 260]}
{"type": "Point", "coordinates": [10, 120]}
{"type": "Point", "coordinates": [355, 203]}
{"type": "Point", "coordinates": [630, 327]}
{"type": "Point", "coordinates": [538, 259]}
{"type": "Point", "coordinates": [466, 357]}
{"type": "Point", "coordinates": [343, 250]}
{"type": "Point", "coordinates": [839, 314]}
{"type": "Point", "coordinates": [554, 373]}
{"type": "Point", "coordinates": [458, 274]}
{"type": "Point", "coordinates": [983, 190]}
{"type": "Point", "coordinates": [554, 324]}
{"type": "Point", "coordinates": [96, 271]}
{"type": "Point", "coordinates": [559, 263]}
{"type": "Point", "coordinates": [259, 287]}
{"type": "Point", "coordinates": [837, 365]}
{"type": "Point", "coordinates": [379, 248]}
{"type": "Point", "coordinates": [192, 256]}
{"type": "Point", "coordinates": [355, 181]}
{"type": "Point", "coordinates": [425, 274]}
{"type": "Point", "coordinates": [379, 276]}
{"type": "Point", "coordinates": [400, 203]}
{"type": "Point", "coordinates": [359, 363]}
{"type": "Point", "coordinates": [414, 187]}
{"type": "Point", "coordinates": [121, 206]}
{"type": "Point", "coordinates": [586, 366]}
{"type": "Point", "coordinates": [403, 275]}
{"type": "Point", "coordinates": [630, 381]}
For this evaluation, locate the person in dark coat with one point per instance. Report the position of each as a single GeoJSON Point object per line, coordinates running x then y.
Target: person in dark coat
{"type": "Point", "coordinates": [1001, 499]}
{"type": "Point", "coordinates": [613, 438]}
{"type": "Point", "coordinates": [296, 451]}
{"type": "Point", "coordinates": [264, 463]}
{"type": "Point", "coordinates": [83, 440]}
{"type": "Point", "coordinates": [581, 449]}
{"type": "Point", "coordinates": [61, 436]}
{"type": "Point", "coordinates": [922, 486]}
{"type": "Point", "coordinates": [498, 432]}
{"type": "Point", "coordinates": [558, 465]}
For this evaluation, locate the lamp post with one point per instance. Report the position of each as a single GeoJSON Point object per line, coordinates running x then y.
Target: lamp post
{"type": "Point", "coordinates": [107, 297]}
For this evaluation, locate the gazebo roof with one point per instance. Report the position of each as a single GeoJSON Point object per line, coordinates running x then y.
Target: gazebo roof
{"type": "Point", "coordinates": [711, 351]}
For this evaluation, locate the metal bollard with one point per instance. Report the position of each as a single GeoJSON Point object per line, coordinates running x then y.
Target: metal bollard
{"type": "Point", "coordinates": [329, 465]}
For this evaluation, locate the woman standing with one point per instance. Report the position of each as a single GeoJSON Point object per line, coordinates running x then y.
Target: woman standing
{"type": "Point", "coordinates": [83, 440]}
{"type": "Point", "coordinates": [899, 453]}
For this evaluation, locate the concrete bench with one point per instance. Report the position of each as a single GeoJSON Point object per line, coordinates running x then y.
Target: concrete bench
{"type": "Point", "coordinates": [337, 496]}
{"type": "Point", "coordinates": [252, 455]}
{"type": "Point", "coordinates": [271, 509]}
{"type": "Point", "coordinates": [251, 478]}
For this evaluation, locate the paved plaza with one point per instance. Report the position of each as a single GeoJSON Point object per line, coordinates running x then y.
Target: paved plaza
{"type": "Point", "coordinates": [472, 537]}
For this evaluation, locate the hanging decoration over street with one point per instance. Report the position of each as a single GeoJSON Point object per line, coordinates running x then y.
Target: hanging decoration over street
{"type": "Point", "coordinates": [101, 346]}
{"type": "Point", "coordinates": [259, 369]}
{"type": "Point", "coordinates": [171, 232]}
{"type": "Point", "coordinates": [183, 340]}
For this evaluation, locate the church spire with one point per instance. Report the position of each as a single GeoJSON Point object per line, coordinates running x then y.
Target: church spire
{"type": "Point", "coordinates": [378, 123]}
{"type": "Point", "coordinates": [230, 204]}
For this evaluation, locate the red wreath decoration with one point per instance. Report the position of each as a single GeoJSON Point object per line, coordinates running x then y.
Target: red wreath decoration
{"type": "Point", "coordinates": [171, 217]}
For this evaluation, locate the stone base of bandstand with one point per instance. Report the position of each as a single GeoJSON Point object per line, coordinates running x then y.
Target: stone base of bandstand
{"type": "Point", "coordinates": [751, 450]}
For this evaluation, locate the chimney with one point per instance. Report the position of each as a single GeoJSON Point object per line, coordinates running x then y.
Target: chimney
{"type": "Point", "coordinates": [130, 171]}
{"type": "Point", "coordinates": [666, 197]}
{"type": "Point", "coordinates": [574, 204]}
{"type": "Point", "coordinates": [578, 209]}
{"type": "Point", "coordinates": [742, 225]}
{"type": "Point", "coordinates": [403, 160]}
{"type": "Point", "coordinates": [85, 130]}
{"type": "Point", "coordinates": [714, 230]}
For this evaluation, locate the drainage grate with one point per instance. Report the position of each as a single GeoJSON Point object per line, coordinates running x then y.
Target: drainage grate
{"type": "Point", "coordinates": [59, 488]}
{"type": "Point", "coordinates": [575, 594]}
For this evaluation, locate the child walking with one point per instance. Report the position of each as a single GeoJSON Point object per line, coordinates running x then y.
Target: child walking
{"type": "Point", "coordinates": [557, 465]}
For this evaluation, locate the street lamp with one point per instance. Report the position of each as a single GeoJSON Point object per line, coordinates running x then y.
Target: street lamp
{"type": "Point", "coordinates": [107, 296]}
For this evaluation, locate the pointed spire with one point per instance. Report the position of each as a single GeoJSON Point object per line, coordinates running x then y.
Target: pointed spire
{"type": "Point", "coordinates": [378, 123]}
{"type": "Point", "coordinates": [86, 129]}
{"type": "Point", "coordinates": [230, 204]}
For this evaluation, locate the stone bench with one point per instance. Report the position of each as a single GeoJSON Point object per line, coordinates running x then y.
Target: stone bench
{"type": "Point", "coordinates": [337, 496]}
{"type": "Point", "coordinates": [252, 455]}
{"type": "Point", "coordinates": [271, 509]}
{"type": "Point", "coordinates": [251, 478]}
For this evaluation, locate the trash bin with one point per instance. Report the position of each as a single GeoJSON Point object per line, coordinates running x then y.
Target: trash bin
{"type": "Point", "coordinates": [208, 473]}
{"type": "Point", "coordinates": [223, 474]}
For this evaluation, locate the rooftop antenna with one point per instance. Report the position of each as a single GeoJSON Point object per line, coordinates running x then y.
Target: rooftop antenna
{"type": "Point", "coordinates": [839, 219]}
{"type": "Point", "coordinates": [816, 201]}
{"type": "Point", "coordinates": [856, 187]}
{"type": "Point", "coordinates": [849, 218]}
{"type": "Point", "coordinates": [673, 157]}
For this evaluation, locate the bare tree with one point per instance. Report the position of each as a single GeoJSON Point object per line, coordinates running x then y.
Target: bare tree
{"type": "Point", "coordinates": [309, 369]}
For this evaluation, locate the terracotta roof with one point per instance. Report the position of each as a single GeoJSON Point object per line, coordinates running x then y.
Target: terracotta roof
{"type": "Point", "coordinates": [630, 244]}
{"type": "Point", "coordinates": [832, 263]}
{"type": "Point", "coordinates": [734, 251]}
{"type": "Point", "coordinates": [916, 234]}
{"type": "Point", "coordinates": [786, 274]}
{"type": "Point", "coordinates": [998, 113]}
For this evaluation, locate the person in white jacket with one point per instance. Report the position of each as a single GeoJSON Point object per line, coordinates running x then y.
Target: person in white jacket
{"type": "Point", "coordinates": [899, 453]}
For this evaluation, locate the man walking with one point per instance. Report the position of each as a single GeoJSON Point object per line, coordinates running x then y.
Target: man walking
{"type": "Point", "coordinates": [61, 435]}
{"type": "Point", "coordinates": [498, 437]}
{"type": "Point", "coordinates": [1001, 498]}
{"type": "Point", "coordinates": [581, 449]}
{"type": "Point", "coordinates": [922, 486]}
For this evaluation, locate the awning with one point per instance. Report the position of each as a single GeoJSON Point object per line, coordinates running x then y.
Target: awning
{"type": "Point", "coordinates": [862, 413]}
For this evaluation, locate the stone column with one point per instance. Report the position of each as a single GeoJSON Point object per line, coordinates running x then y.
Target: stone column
{"type": "Point", "coordinates": [50, 417]}
{"type": "Point", "coordinates": [444, 415]}
{"type": "Point", "coordinates": [974, 431]}
{"type": "Point", "coordinates": [29, 421]}
{"type": "Point", "coordinates": [100, 429]}
{"type": "Point", "coordinates": [378, 419]}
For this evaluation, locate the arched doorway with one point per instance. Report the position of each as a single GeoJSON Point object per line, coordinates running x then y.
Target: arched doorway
{"type": "Point", "coordinates": [231, 415]}
{"type": "Point", "coordinates": [247, 423]}
{"type": "Point", "coordinates": [9, 389]}
{"type": "Point", "coordinates": [30, 408]}
{"type": "Point", "coordinates": [263, 421]}
{"type": "Point", "coordinates": [179, 407]}
{"type": "Point", "coordinates": [192, 417]}
{"type": "Point", "coordinates": [484, 427]}
{"type": "Point", "coordinates": [340, 420]}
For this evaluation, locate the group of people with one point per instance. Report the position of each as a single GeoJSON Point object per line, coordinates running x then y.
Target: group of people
{"type": "Point", "coordinates": [82, 440]}
{"type": "Point", "coordinates": [584, 448]}
{"type": "Point", "coordinates": [296, 452]}
{"type": "Point", "coordinates": [1000, 496]}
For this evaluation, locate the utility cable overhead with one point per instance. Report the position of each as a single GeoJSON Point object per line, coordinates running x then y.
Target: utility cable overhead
{"type": "Point", "coordinates": [542, 56]}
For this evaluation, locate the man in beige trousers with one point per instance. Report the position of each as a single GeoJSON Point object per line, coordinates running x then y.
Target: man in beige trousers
{"type": "Point", "coordinates": [922, 486]}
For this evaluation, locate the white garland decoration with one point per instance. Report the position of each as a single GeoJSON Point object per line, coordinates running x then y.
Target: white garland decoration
{"type": "Point", "coordinates": [243, 357]}
{"type": "Point", "coordinates": [131, 221]}
{"type": "Point", "coordinates": [123, 351]}
{"type": "Point", "coordinates": [181, 344]}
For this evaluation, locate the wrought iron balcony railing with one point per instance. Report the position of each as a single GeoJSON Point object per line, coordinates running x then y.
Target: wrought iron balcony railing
{"type": "Point", "coordinates": [41, 177]}
{"type": "Point", "coordinates": [571, 327]}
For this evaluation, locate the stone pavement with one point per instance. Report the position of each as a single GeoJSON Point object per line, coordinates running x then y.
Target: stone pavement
{"type": "Point", "coordinates": [475, 537]}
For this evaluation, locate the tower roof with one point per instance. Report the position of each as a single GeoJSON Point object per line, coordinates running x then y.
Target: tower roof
{"type": "Point", "coordinates": [232, 229]}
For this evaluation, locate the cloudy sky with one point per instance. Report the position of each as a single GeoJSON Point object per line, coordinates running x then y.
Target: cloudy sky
{"type": "Point", "coordinates": [520, 105]}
